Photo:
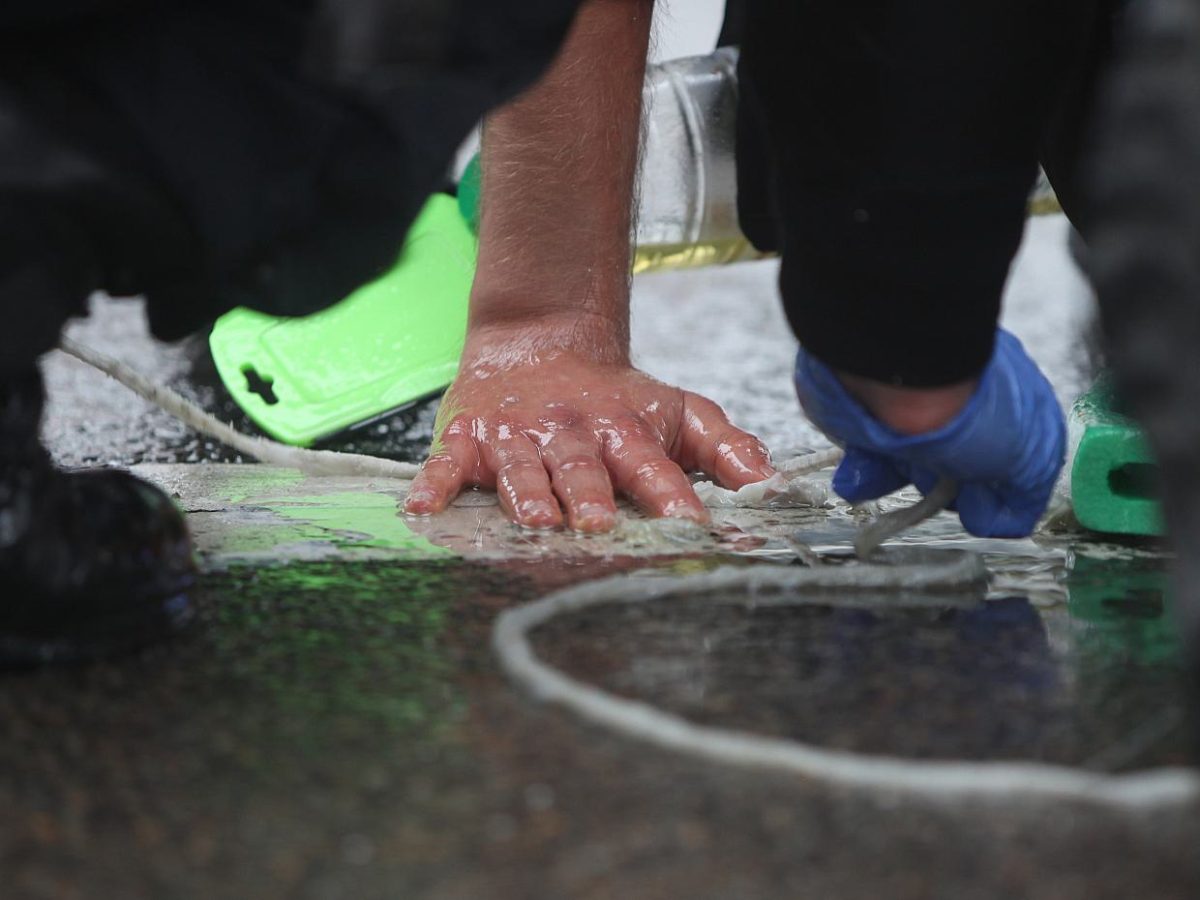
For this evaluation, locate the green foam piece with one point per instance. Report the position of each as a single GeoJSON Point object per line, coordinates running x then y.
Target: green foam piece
{"type": "Point", "coordinates": [1114, 476]}
{"type": "Point", "coordinates": [390, 343]}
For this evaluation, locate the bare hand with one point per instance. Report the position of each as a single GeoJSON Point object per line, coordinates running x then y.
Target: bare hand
{"type": "Point", "coordinates": [558, 427]}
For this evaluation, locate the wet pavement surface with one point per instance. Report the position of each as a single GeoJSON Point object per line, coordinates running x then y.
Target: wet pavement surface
{"type": "Point", "coordinates": [334, 724]}
{"type": "Point", "coordinates": [957, 678]}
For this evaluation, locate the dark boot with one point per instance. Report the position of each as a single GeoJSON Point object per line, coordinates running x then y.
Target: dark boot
{"type": "Point", "coordinates": [91, 562]}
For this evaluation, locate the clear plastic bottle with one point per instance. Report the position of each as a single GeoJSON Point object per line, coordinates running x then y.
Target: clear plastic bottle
{"type": "Point", "coordinates": [687, 196]}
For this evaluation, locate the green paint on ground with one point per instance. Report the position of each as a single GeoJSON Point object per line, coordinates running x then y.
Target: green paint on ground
{"type": "Point", "coordinates": [251, 481]}
{"type": "Point", "coordinates": [357, 520]}
{"type": "Point", "coordinates": [331, 659]}
{"type": "Point", "coordinates": [265, 539]}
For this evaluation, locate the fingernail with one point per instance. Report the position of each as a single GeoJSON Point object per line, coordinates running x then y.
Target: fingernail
{"type": "Point", "coordinates": [537, 515]}
{"type": "Point", "coordinates": [683, 510]}
{"type": "Point", "coordinates": [594, 517]}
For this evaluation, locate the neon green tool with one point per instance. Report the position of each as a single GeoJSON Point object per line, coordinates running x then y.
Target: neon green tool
{"type": "Point", "coordinates": [1113, 473]}
{"type": "Point", "coordinates": [393, 341]}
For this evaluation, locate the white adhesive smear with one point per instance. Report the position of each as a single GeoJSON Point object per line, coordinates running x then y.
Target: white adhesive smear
{"type": "Point", "coordinates": [777, 492]}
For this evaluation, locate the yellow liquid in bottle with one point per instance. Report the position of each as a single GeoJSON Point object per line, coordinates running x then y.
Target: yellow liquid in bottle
{"type": "Point", "coordinates": [736, 248]}
{"type": "Point", "coordinates": [664, 257]}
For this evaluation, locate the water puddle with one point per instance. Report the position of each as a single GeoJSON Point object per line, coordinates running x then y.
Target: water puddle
{"type": "Point", "coordinates": [1065, 658]}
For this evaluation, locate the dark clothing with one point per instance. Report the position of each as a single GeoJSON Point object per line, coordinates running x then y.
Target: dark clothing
{"type": "Point", "coordinates": [214, 153]}
{"type": "Point", "coordinates": [270, 153]}
{"type": "Point", "coordinates": [887, 150]}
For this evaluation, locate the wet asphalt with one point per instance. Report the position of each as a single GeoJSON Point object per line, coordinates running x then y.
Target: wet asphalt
{"type": "Point", "coordinates": [339, 728]}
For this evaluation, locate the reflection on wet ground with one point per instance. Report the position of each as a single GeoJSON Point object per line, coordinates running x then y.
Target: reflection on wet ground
{"type": "Point", "coordinates": [914, 677]}
{"type": "Point", "coordinates": [334, 729]}
{"type": "Point", "coordinates": [336, 726]}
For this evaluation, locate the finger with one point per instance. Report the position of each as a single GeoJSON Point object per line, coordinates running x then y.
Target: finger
{"type": "Point", "coordinates": [581, 481]}
{"type": "Point", "coordinates": [987, 512]}
{"type": "Point", "coordinates": [713, 444]}
{"type": "Point", "coordinates": [641, 470]}
{"type": "Point", "coordinates": [863, 476]}
{"type": "Point", "coordinates": [453, 464]}
{"type": "Point", "coordinates": [522, 484]}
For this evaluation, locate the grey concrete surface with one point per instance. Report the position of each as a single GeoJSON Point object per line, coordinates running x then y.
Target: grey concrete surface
{"type": "Point", "coordinates": [333, 723]}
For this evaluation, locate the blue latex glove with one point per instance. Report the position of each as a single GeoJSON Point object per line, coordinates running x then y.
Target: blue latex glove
{"type": "Point", "coordinates": [1005, 448]}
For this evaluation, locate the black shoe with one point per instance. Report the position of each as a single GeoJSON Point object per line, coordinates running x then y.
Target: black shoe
{"type": "Point", "coordinates": [92, 563]}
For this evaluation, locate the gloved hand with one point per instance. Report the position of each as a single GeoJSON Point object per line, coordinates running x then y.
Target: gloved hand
{"type": "Point", "coordinates": [1005, 448]}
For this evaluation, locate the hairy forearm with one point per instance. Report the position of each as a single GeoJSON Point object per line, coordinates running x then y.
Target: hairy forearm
{"type": "Point", "coordinates": [558, 169]}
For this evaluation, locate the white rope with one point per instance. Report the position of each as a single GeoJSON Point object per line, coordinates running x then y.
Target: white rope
{"type": "Point", "coordinates": [950, 780]}
{"type": "Point", "coordinates": [787, 487]}
{"type": "Point", "coordinates": [639, 720]}
{"type": "Point", "coordinates": [811, 462]}
{"type": "Point", "coordinates": [330, 462]}
{"type": "Point", "coordinates": [315, 462]}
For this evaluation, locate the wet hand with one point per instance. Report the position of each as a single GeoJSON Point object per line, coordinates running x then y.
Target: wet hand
{"type": "Point", "coordinates": [558, 432]}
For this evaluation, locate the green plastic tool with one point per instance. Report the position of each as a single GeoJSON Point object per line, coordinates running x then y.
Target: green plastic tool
{"type": "Point", "coordinates": [469, 187]}
{"type": "Point", "coordinates": [1113, 473]}
{"type": "Point", "coordinates": [393, 341]}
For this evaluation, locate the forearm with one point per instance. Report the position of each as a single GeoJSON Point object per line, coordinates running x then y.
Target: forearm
{"type": "Point", "coordinates": [558, 169]}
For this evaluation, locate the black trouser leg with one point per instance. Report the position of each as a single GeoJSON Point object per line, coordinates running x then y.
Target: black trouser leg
{"type": "Point", "coordinates": [901, 141]}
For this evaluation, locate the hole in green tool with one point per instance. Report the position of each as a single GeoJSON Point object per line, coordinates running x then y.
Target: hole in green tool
{"type": "Point", "coordinates": [257, 384]}
{"type": "Point", "coordinates": [1138, 481]}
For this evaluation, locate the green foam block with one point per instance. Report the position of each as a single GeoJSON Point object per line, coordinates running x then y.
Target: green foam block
{"type": "Point", "coordinates": [1113, 473]}
{"type": "Point", "coordinates": [393, 341]}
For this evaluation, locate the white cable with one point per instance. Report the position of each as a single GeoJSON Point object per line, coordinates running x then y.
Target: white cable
{"type": "Point", "coordinates": [950, 780]}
